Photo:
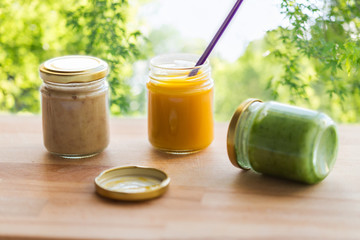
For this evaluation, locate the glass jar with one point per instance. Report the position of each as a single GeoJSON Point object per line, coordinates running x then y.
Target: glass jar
{"type": "Point", "coordinates": [282, 140]}
{"type": "Point", "coordinates": [75, 108]}
{"type": "Point", "coordinates": [180, 106]}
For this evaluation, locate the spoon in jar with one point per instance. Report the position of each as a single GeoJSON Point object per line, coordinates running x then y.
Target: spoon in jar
{"type": "Point", "coordinates": [215, 39]}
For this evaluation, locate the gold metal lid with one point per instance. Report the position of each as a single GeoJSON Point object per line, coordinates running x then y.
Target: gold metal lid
{"type": "Point", "coordinates": [73, 69]}
{"type": "Point", "coordinates": [231, 147]}
{"type": "Point", "coordinates": [132, 183]}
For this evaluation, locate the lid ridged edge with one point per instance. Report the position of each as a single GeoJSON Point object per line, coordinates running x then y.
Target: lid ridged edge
{"type": "Point", "coordinates": [73, 76]}
{"type": "Point", "coordinates": [153, 192]}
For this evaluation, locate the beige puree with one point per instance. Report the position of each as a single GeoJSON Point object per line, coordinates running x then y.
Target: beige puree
{"type": "Point", "coordinates": [75, 118]}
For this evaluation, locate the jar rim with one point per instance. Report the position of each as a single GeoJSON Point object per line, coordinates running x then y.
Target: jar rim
{"type": "Point", "coordinates": [75, 84]}
{"type": "Point", "coordinates": [172, 57]}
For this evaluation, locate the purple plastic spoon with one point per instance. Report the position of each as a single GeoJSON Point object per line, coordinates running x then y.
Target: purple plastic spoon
{"type": "Point", "coordinates": [216, 38]}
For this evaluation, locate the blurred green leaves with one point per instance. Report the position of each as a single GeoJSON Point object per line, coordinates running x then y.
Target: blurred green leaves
{"type": "Point", "coordinates": [313, 62]}
{"type": "Point", "coordinates": [326, 33]}
{"type": "Point", "coordinates": [34, 31]}
{"type": "Point", "coordinates": [102, 30]}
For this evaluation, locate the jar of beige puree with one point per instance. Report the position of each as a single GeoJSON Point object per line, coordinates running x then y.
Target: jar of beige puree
{"type": "Point", "coordinates": [75, 108]}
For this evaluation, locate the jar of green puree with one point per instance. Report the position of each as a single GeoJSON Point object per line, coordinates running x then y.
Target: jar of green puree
{"type": "Point", "coordinates": [282, 140]}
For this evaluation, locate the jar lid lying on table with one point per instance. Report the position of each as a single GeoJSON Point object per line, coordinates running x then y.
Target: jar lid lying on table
{"type": "Point", "coordinates": [132, 183]}
{"type": "Point", "coordinates": [73, 68]}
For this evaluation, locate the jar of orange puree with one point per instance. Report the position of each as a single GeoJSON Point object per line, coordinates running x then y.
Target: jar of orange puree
{"type": "Point", "coordinates": [180, 106]}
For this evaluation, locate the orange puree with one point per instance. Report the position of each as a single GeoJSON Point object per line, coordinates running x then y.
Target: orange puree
{"type": "Point", "coordinates": [180, 112]}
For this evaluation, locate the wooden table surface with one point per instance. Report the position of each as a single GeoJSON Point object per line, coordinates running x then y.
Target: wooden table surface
{"type": "Point", "coordinates": [45, 197]}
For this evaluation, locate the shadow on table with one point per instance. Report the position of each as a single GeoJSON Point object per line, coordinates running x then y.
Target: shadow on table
{"type": "Point", "coordinates": [268, 185]}
{"type": "Point", "coordinates": [58, 169]}
{"type": "Point", "coordinates": [159, 155]}
{"type": "Point", "coordinates": [126, 203]}
{"type": "Point", "coordinates": [54, 159]}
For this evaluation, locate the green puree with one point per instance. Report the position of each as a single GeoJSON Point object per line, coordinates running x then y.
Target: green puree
{"type": "Point", "coordinates": [292, 143]}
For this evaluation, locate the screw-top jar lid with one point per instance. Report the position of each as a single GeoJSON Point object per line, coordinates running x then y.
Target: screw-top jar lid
{"type": "Point", "coordinates": [73, 68]}
{"type": "Point", "coordinates": [231, 135]}
{"type": "Point", "coordinates": [132, 183]}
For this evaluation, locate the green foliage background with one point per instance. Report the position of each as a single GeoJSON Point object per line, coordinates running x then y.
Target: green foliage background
{"type": "Point", "coordinates": [34, 31]}
{"type": "Point", "coordinates": [313, 62]}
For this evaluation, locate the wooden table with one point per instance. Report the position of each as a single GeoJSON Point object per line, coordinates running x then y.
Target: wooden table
{"type": "Point", "coordinates": [45, 197]}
